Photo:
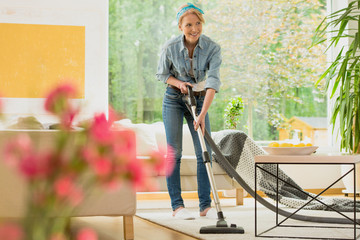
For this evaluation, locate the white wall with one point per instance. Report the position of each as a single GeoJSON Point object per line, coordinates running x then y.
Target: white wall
{"type": "Point", "coordinates": [93, 14]}
{"type": "Point", "coordinates": [314, 176]}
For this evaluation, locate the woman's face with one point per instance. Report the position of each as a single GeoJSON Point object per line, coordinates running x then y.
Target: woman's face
{"type": "Point", "coordinates": [191, 27]}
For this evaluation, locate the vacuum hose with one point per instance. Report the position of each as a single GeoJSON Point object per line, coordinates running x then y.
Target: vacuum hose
{"type": "Point", "coordinates": [191, 101]}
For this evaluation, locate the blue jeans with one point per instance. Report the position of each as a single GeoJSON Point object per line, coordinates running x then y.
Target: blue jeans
{"type": "Point", "coordinates": [174, 111]}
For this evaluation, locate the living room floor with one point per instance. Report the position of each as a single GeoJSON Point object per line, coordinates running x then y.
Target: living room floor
{"type": "Point", "coordinates": [109, 229]}
{"type": "Point", "coordinates": [112, 228]}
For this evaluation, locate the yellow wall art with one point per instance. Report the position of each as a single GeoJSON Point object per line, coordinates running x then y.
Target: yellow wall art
{"type": "Point", "coordinates": [34, 58]}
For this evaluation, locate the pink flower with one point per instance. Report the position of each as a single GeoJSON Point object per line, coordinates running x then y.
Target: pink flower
{"type": "Point", "coordinates": [10, 231]}
{"type": "Point", "coordinates": [35, 165]}
{"type": "Point", "coordinates": [57, 102]}
{"type": "Point", "coordinates": [89, 153]}
{"type": "Point", "coordinates": [135, 174]}
{"type": "Point", "coordinates": [124, 144]}
{"type": "Point", "coordinates": [16, 148]}
{"type": "Point", "coordinates": [112, 185]}
{"type": "Point", "coordinates": [57, 99]}
{"type": "Point", "coordinates": [99, 155]}
{"type": "Point", "coordinates": [63, 186]}
{"type": "Point", "coordinates": [113, 115]}
{"type": "Point", "coordinates": [163, 160]}
{"type": "Point", "coordinates": [19, 153]}
{"type": "Point", "coordinates": [100, 129]}
{"type": "Point", "coordinates": [66, 189]}
{"type": "Point", "coordinates": [102, 166]}
{"type": "Point", "coordinates": [29, 166]}
{"type": "Point", "coordinates": [68, 117]}
{"type": "Point", "coordinates": [86, 234]}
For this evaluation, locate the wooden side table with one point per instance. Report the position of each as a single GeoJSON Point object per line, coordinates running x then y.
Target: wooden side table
{"type": "Point", "coordinates": [304, 159]}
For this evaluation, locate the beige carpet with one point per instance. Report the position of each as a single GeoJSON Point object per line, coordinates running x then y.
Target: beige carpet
{"type": "Point", "coordinates": [159, 212]}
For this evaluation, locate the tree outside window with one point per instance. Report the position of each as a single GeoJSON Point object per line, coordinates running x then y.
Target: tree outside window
{"type": "Point", "coordinates": [267, 59]}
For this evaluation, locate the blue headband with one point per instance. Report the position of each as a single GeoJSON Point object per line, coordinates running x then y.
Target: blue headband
{"type": "Point", "coordinates": [183, 10]}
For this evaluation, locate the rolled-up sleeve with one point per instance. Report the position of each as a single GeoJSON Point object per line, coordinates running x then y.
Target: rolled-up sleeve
{"type": "Point", "coordinates": [213, 74]}
{"type": "Point", "coordinates": [163, 69]}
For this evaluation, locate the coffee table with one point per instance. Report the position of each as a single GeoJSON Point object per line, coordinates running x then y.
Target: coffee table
{"type": "Point", "coordinates": [309, 160]}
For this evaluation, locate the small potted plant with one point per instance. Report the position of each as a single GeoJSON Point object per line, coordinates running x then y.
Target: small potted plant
{"type": "Point", "coordinates": [233, 111]}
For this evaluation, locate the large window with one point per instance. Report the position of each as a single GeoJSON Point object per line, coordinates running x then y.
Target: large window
{"type": "Point", "coordinates": [267, 59]}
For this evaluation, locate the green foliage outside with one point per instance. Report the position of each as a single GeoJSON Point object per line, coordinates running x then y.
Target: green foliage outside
{"type": "Point", "coordinates": [266, 59]}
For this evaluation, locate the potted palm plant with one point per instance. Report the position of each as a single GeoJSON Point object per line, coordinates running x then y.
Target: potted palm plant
{"type": "Point", "coordinates": [343, 75]}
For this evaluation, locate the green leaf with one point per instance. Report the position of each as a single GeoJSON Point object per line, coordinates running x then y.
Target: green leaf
{"type": "Point", "coordinates": [340, 77]}
{"type": "Point", "coordinates": [356, 43]}
{"type": "Point", "coordinates": [330, 69]}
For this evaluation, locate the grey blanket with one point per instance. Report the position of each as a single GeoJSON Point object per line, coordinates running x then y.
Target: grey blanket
{"type": "Point", "coordinates": [240, 150]}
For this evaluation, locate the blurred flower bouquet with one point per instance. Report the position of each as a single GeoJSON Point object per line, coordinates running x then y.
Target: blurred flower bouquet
{"type": "Point", "coordinates": [60, 177]}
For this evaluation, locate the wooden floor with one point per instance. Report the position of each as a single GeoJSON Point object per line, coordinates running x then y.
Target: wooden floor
{"type": "Point", "coordinates": [143, 227]}
{"type": "Point", "coordinates": [109, 228]}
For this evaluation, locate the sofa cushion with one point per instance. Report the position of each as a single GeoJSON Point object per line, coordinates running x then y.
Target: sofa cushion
{"type": "Point", "coordinates": [188, 145]}
{"type": "Point", "coordinates": [160, 136]}
{"type": "Point", "coordinates": [159, 131]}
{"type": "Point", "coordinates": [145, 136]}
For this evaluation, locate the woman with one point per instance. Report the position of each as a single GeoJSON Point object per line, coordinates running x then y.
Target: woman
{"type": "Point", "coordinates": [191, 59]}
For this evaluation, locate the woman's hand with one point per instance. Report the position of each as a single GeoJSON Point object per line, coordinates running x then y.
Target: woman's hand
{"type": "Point", "coordinates": [179, 84]}
{"type": "Point", "coordinates": [183, 87]}
{"type": "Point", "coordinates": [210, 93]}
{"type": "Point", "coordinates": [200, 123]}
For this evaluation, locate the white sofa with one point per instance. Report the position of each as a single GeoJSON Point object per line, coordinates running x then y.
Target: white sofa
{"type": "Point", "coordinates": [152, 136]}
{"type": "Point", "coordinates": [149, 137]}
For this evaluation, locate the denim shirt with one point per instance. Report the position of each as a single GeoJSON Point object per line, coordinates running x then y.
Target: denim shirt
{"type": "Point", "coordinates": [174, 61]}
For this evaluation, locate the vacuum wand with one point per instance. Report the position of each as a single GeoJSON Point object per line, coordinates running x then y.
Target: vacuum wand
{"type": "Point", "coordinates": [221, 225]}
{"type": "Point", "coordinates": [206, 157]}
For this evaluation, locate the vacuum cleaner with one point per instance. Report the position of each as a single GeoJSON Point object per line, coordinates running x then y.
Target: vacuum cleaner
{"type": "Point", "coordinates": [190, 102]}
{"type": "Point", "coordinates": [221, 226]}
